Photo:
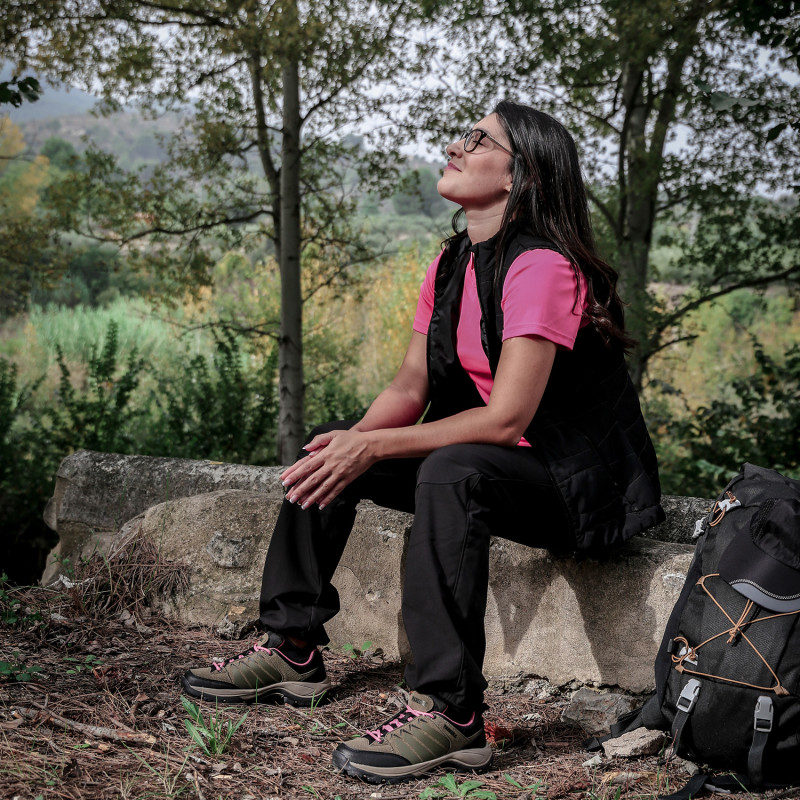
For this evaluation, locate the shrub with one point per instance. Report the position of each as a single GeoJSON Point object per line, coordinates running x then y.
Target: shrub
{"type": "Point", "coordinates": [755, 418]}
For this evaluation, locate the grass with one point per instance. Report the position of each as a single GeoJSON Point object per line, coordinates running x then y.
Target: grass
{"type": "Point", "coordinates": [211, 734]}
{"type": "Point", "coordinates": [30, 340]}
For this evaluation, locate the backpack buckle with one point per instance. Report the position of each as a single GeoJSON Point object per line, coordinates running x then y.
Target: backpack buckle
{"type": "Point", "coordinates": [723, 506]}
{"type": "Point", "coordinates": [764, 714]}
{"type": "Point", "coordinates": [689, 695]}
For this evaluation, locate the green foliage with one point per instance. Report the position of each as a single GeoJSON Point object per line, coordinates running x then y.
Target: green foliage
{"type": "Point", "coordinates": [212, 735]}
{"type": "Point", "coordinates": [27, 240]}
{"type": "Point", "coordinates": [60, 153]}
{"type": "Point", "coordinates": [11, 611]}
{"type": "Point", "coordinates": [97, 415]}
{"type": "Point", "coordinates": [754, 418]}
{"type": "Point", "coordinates": [417, 194]}
{"type": "Point", "coordinates": [28, 460]}
{"type": "Point", "coordinates": [86, 665]}
{"type": "Point", "coordinates": [235, 168]}
{"type": "Point", "coordinates": [448, 786]}
{"type": "Point", "coordinates": [531, 789]}
{"type": "Point", "coordinates": [356, 652]}
{"type": "Point", "coordinates": [16, 90]}
{"type": "Point", "coordinates": [218, 409]}
{"type": "Point", "coordinates": [18, 670]}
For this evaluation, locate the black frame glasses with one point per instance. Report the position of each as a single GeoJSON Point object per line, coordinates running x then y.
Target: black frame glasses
{"type": "Point", "coordinates": [473, 137]}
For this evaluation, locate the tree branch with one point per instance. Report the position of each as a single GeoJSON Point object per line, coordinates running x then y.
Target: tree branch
{"type": "Point", "coordinates": [747, 283]}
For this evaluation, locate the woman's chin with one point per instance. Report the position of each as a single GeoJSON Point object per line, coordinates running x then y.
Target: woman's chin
{"type": "Point", "coordinates": [442, 188]}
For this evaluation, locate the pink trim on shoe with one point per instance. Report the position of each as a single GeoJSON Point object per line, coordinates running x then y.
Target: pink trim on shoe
{"type": "Point", "coordinates": [397, 722]}
{"type": "Point", "coordinates": [297, 663]}
{"type": "Point", "coordinates": [460, 724]}
{"type": "Point", "coordinates": [257, 648]}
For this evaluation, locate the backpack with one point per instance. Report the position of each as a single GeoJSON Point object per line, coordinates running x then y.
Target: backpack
{"type": "Point", "coordinates": [728, 669]}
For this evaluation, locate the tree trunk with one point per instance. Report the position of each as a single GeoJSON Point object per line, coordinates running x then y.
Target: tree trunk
{"type": "Point", "coordinates": [638, 183]}
{"type": "Point", "coordinates": [640, 165]}
{"type": "Point", "coordinates": [290, 346]}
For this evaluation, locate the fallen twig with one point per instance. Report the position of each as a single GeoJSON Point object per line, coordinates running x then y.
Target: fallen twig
{"type": "Point", "coordinates": [45, 715]}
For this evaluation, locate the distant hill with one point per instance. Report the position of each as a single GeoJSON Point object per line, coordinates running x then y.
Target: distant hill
{"type": "Point", "coordinates": [65, 112]}
{"type": "Point", "coordinates": [55, 101]}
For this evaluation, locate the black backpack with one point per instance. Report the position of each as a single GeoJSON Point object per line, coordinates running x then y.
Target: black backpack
{"type": "Point", "coordinates": [728, 669]}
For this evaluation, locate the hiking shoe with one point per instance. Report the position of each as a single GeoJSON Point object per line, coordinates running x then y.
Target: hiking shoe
{"type": "Point", "coordinates": [415, 741]}
{"type": "Point", "coordinates": [271, 670]}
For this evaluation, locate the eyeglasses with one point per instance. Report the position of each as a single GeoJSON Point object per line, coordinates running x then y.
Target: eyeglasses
{"type": "Point", "coordinates": [472, 138]}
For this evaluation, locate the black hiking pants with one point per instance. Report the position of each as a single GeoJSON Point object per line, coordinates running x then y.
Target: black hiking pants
{"type": "Point", "coordinates": [459, 494]}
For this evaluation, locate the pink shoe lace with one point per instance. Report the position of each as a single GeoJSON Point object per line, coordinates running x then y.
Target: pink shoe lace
{"type": "Point", "coordinates": [397, 722]}
{"type": "Point", "coordinates": [256, 648]}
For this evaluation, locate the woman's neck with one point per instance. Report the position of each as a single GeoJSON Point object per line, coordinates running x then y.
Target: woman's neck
{"type": "Point", "coordinates": [482, 225]}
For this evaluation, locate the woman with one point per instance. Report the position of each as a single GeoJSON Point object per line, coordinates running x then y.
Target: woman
{"type": "Point", "coordinates": [532, 432]}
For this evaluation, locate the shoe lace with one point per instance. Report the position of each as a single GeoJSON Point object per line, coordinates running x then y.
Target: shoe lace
{"type": "Point", "coordinates": [256, 648]}
{"type": "Point", "coordinates": [396, 722]}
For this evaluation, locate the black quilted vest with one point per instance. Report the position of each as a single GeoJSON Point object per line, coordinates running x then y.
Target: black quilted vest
{"type": "Point", "coordinates": [588, 429]}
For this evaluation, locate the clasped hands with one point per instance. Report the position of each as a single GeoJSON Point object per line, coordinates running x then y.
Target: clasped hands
{"type": "Point", "coordinates": [334, 460]}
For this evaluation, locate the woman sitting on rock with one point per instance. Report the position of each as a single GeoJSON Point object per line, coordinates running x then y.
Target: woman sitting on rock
{"type": "Point", "coordinates": [532, 432]}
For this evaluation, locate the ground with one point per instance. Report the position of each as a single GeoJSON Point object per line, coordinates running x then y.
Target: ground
{"type": "Point", "coordinates": [91, 707]}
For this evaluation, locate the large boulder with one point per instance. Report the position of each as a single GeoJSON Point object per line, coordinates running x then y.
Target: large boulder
{"type": "Point", "coordinates": [597, 622]}
{"type": "Point", "coordinates": [96, 493]}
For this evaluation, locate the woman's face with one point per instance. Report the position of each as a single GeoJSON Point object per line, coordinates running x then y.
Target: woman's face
{"type": "Point", "coordinates": [479, 180]}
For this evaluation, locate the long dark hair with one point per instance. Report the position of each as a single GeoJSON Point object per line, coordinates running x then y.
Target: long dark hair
{"type": "Point", "coordinates": [548, 200]}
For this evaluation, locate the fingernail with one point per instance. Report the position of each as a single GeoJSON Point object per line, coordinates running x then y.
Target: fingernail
{"type": "Point", "coordinates": [321, 506]}
{"type": "Point", "coordinates": [304, 506]}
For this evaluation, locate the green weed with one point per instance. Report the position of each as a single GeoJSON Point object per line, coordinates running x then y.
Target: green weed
{"type": "Point", "coordinates": [18, 670]}
{"type": "Point", "coordinates": [169, 780]}
{"type": "Point", "coordinates": [533, 788]}
{"type": "Point", "coordinates": [212, 736]}
{"type": "Point", "coordinates": [356, 652]}
{"type": "Point", "coordinates": [88, 664]}
{"type": "Point", "coordinates": [11, 609]}
{"type": "Point", "coordinates": [449, 787]}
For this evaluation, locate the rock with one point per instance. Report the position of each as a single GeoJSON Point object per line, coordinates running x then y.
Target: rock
{"type": "Point", "coordinates": [682, 513]}
{"type": "Point", "coordinates": [96, 493]}
{"type": "Point", "coordinates": [636, 743]}
{"type": "Point", "coordinates": [596, 711]}
{"type": "Point", "coordinates": [556, 618]}
{"type": "Point", "coordinates": [689, 767]}
{"type": "Point", "coordinates": [222, 538]}
{"type": "Point", "coordinates": [590, 621]}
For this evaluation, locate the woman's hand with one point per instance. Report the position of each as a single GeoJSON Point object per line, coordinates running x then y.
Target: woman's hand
{"type": "Point", "coordinates": [335, 459]}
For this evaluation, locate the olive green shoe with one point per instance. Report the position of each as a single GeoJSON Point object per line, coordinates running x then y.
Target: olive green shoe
{"type": "Point", "coordinates": [272, 670]}
{"type": "Point", "coordinates": [414, 742]}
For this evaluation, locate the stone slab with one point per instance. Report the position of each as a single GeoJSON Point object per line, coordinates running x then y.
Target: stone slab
{"type": "Point", "coordinates": [596, 622]}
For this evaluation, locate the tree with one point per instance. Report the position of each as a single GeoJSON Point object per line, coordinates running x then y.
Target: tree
{"type": "Point", "coordinates": [26, 256]}
{"type": "Point", "coordinates": [17, 90]}
{"type": "Point", "coordinates": [269, 88]}
{"type": "Point", "coordinates": [623, 76]}
{"type": "Point", "coordinates": [417, 194]}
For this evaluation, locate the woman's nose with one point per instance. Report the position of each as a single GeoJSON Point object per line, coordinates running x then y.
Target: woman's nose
{"type": "Point", "coordinates": [454, 148]}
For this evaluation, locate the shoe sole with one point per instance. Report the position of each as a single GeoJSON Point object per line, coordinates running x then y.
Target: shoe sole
{"type": "Point", "coordinates": [295, 693]}
{"type": "Point", "coordinates": [477, 759]}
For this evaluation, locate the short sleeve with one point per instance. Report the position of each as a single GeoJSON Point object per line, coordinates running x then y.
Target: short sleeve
{"type": "Point", "coordinates": [422, 318]}
{"type": "Point", "coordinates": [543, 296]}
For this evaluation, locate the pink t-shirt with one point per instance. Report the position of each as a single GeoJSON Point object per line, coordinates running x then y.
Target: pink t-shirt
{"type": "Point", "coordinates": [539, 299]}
